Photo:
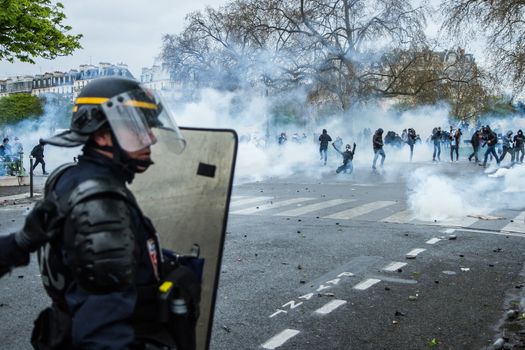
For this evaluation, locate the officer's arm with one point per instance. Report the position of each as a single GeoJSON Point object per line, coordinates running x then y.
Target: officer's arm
{"type": "Point", "coordinates": [99, 245]}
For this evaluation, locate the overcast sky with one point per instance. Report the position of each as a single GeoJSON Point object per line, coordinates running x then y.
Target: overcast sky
{"type": "Point", "coordinates": [127, 31]}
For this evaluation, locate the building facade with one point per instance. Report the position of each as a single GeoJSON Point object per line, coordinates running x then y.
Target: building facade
{"type": "Point", "coordinates": [67, 84]}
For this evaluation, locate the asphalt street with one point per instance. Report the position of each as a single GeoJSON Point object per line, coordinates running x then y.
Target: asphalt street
{"type": "Point", "coordinates": [338, 262]}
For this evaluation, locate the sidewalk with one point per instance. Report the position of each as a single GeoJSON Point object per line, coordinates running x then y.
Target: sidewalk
{"type": "Point", "coordinates": [13, 195]}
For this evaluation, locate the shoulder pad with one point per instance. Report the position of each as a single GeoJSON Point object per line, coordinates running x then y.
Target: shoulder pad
{"type": "Point", "coordinates": [95, 187]}
{"type": "Point", "coordinates": [54, 176]}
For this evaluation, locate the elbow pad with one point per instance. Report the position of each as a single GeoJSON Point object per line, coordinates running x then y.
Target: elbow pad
{"type": "Point", "coordinates": [100, 243]}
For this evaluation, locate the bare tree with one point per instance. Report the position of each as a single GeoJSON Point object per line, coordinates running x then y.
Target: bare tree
{"type": "Point", "coordinates": [502, 22]}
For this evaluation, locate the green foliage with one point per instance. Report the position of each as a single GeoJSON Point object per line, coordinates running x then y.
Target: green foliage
{"type": "Point", "coordinates": [17, 107]}
{"type": "Point", "coordinates": [34, 28]}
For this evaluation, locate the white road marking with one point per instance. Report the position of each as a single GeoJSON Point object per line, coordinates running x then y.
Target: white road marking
{"type": "Point", "coordinates": [238, 197]}
{"type": "Point", "coordinates": [449, 230]}
{"type": "Point", "coordinates": [280, 339]}
{"type": "Point", "coordinates": [394, 266]}
{"type": "Point", "coordinates": [313, 207]}
{"type": "Point", "coordinates": [359, 210]}
{"type": "Point", "coordinates": [273, 205]}
{"type": "Point", "coordinates": [401, 217]}
{"type": "Point", "coordinates": [367, 284]}
{"type": "Point", "coordinates": [518, 225]}
{"type": "Point", "coordinates": [414, 252]}
{"type": "Point", "coordinates": [458, 222]}
{"type": "Point", "coordinates": [520, 235]}
{"type": "Point", "coordinates": [329, 307]}
{"type": "Point", "coordinates": [433, 240]}
{"type": "Point", "coordinates": [249, 201]}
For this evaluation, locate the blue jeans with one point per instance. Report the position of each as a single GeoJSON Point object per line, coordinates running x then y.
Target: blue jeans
{"type": "Point", "coordinates": [379, 152]}
{"type": "Point", "coordinates": [348, 168]}
{"type": "Point", "coordinates": [324, 154]}
{"type": "Point", "coordinates": [490, 150]}
{"type": "Point", "coordinates": [437, 149]}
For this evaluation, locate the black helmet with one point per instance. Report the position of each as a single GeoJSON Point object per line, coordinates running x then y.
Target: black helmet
{"type": "Point", "coordinates": [380, 131]}
{"type": "Point", "coordinates": [130, 109]}
{"type": "Point", "coordinates": [347, 146]}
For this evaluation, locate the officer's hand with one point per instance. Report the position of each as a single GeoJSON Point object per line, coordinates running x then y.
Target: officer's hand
{"type": "Point", "coordinates": [40, 226]}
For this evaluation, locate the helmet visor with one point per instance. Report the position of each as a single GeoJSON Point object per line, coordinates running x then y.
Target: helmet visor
{"type": "Point", "coordinates": [132, 116]}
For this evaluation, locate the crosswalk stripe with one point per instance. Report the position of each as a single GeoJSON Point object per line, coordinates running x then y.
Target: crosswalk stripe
{"type": "Point", "coordinates": [401, 217]}
{"type": "Point", "coordinates": [313, 207]}
{"type": "Point", "coordinates": [273, 205]}
{"type": "Point", "coordinates": [518, 224]}
{"type": "Point", "coordinates": [249, 201]}
{"type": "Point", "coordinates": [360, 210]}
{"type": "Point", "coordinates": [465, 221]}
{"type": "Point", "coordinates": [238, 197]}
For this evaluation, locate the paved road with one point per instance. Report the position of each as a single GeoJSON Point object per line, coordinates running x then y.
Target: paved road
{"type": "Point", "coordinates": [339, 263]}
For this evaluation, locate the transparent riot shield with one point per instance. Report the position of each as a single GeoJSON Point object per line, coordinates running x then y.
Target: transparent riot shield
{"type": "Point", "coordinates": [187, 197]}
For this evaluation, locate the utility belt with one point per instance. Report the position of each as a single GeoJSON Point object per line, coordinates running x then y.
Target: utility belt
{"type": "Point", "coordinates": [165, 315]}
{"type": "Point", "coordinates": [173, 304]}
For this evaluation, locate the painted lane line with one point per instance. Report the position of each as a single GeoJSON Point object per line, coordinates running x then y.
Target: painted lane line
{"type": "Point", "coordinates": [394, 266]}
{"type": "Point", "coordinates": [329, 307]}
{"type": "Point", "coordinates": [414, 252]}
{"type": "Point", "coordinates": [238, 197]}
{"type": "Point", "coordinates": [518, 225]}
{"type": "Point", "coordinates": [360, 210]}
{"type": "Point", "coordinates": [401, 217]}
{"type": "Point", "coordinates": [497, 233]}
{"type": "Point", "coordinates": [457, 222]}
{"type": "Point", "coordinates": [313, 207]}
{"type": "Point", "coordinates": [449, 230]}
{"type": "Point", "coordinates": [280, 339]}
{"type": "Point", "coordinates": [249, 201]}
{"type": "Point", "coordinates": [367, 284]}
{"type": "Point", "coordinates": [433, 240]}
{"type": "Point", "coordinates": [273, 205]}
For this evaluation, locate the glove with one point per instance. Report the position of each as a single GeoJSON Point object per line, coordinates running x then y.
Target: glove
{"type": "Point", "coordinates": [40, 226]}
{"type": "Point", "coordinates": [11, 255]}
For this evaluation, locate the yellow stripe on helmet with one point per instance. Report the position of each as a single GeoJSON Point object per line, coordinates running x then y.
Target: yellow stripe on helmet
{"type": "Point", "coordinates": [141, 104]}
{"type": "Point", "coordinates": [90, 100]}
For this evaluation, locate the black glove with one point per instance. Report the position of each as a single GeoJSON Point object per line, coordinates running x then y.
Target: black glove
{"type": "Point", "coordinates": [11, 255]}
{"type": "Point", "coordinates": [40, 226]}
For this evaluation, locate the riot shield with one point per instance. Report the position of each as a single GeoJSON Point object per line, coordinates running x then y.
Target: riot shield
{"type": "Point", "coordinates": [187, 197]}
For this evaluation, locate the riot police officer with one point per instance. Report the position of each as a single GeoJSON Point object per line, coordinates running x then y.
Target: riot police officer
{"type": "Point", "coordinates": [102, 264]}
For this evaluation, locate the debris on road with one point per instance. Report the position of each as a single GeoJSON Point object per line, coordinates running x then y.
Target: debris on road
{"type": "Point", "coordinates": [452, 237]}
{"type": "Point", "coordinates": [486, 217]}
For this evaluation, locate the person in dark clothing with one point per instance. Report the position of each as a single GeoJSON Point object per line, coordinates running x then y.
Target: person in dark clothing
{"type": "Point", "coordinates": [507, 146]}
{"type": "Point", "coordinates": [491, 141]}
{"type": "Point", "coordinates": [348, 157]}
{"type": "Point", "coordinates": [436, 139]}
{"type": "Point", "coordinates": [519, 141]}
{"type": "Point", "coordinates": [377, 144]}
{"type": "Point", "coordinates": [324, 138]}
{"type": "Point", "coordinates": [282, 138]}
{"type": "Point", "coordinates": [5, 148]}
{"type": "Point", "coordinates": [475, 141]}
{"type": "Point", "coordinates": [411, 141]}
{"type": "Point", "coordinates": [38, 154]}
{"type": "Point", "coordinates": [455, 138]}
{"type": "Point", "coordinates": [99, 256]}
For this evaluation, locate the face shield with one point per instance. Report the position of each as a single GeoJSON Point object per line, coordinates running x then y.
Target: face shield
{"type": "Point", "coordinates": [134, 116]}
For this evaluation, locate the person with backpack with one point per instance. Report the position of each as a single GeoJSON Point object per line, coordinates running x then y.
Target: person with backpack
{"type": "Point", "coordinates": [38, 153]}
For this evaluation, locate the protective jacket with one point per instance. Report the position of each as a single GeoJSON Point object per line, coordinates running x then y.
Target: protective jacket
{"type": "Point", "coordinates": [324, 139]}
{"type": "Point", "coordinates": [102, 273]}
{"type": "Point", "coordinates": [38, 151]}
{"type": "Point", "coordinates": [377, 141]}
